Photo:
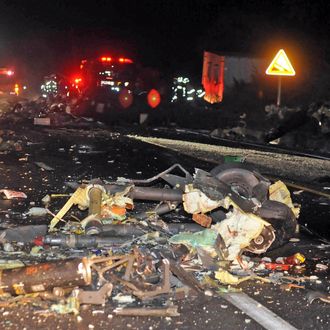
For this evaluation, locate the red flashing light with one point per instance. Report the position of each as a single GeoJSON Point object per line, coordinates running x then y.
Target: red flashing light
{"type": "Point", "coordinates": [125, 98]}
{"type": "Point", "coordinates": [82, 63]}
{"type": "Point", "coordinates": [153, 98]}
{"type": "Point", "coordinates": [77, 80]}
{"type": "Point", "coordinates": [9, 73]}
{"type": "Point", "coordinates": [106, 59]}
{"type": "Point", "coordinates": [125, 60]}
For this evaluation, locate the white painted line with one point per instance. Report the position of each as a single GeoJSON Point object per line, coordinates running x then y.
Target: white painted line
{"type": "Point", "coordinates": [258, 312]}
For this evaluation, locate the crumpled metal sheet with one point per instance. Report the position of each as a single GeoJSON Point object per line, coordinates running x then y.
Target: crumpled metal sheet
{"type": "Point", "coordinates": [195, 201]}
{"type": "Point", "coordinates": [280, 193]}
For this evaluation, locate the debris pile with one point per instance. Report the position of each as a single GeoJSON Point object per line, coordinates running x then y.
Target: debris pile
{"type": "Point", "coordinates": [304, 129]}
{"type": "Point", "coordinates": [122, 252]}
{"type": "Point", "coordinates": [52, 111]}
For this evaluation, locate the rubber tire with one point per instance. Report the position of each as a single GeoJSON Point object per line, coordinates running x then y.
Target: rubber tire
{"type": "Point", "coordinates": [237, 176]}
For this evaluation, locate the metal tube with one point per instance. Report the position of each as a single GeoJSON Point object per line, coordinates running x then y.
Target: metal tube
{"type": "Point", "coordinates": [84, 241]}
{"type": "Point", "coordinates": [160, 210]}
{"type": "Point", "coordinates": [156, 194]}
{"type": "Point", "coordinates": [45, 276]}
{"type": "Point", "coordinates": [147, 311]}
{"type": "Point", "coordinates": [130, 230]}
{"type": "Point", "coordinates": [122, 230]}
{"type": "Point", "coordinates": [95, 199]}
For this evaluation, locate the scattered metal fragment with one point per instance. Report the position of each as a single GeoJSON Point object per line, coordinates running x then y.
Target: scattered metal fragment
{"type": "Point", "coordinates": [45, 276]}
{"type": "Point", "coordinates": [44, 166]}
{"type": "Point", "coordinates": [164, 288]}
{"type": "Point", "coordinates": [72, 304]}
{"type": "Point", "coordinates": [95, 297]}
{"type": "Point", "coordinates": [24, 234]}
{"type": "Point", "coordinates": [37, 212]}
{"type": "Point", "coordinates": [313, 295]}
{"type": "Point", "coordinates": [79, 197]}
{"type": "Point", "coordinates": [184, 276]}
{"type": "Point", "coordinates": [83, 241]}
{"type": "Point", "coordinates": [110, 263]}
{"type": "Point", "coordinates": [321, 267]}
{"type": "Point", "coordinates": [144, 311]}
{"type": "Point", "coordinates": [11, 194]}
{"type": "Point", "coordinates": [202, 219]}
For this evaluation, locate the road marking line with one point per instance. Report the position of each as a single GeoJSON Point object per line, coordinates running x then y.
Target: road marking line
{"type": "Point", "coordinates": [258, 312]}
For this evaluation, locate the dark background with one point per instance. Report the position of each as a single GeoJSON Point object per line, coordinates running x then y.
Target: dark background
{"type": "Point", "coordinates": [40, 37]}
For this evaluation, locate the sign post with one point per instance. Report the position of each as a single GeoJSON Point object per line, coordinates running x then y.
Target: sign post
{"type": "Point", "coordinates": [280, 66]}
{"type": "Point", "coordinates": [278, 103]}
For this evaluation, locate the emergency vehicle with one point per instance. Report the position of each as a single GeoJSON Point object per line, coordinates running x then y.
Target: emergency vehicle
{"type": "Point", "coordinates": [116, 81]}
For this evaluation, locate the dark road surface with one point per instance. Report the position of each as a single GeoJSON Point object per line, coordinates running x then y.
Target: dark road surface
{"type": "Point", "coordinates": [79, 155]}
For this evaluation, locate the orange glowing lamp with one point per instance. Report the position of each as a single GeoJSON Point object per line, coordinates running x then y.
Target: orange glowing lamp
{"type": "Point", "coordinates": [106, 59]}
{"type": "Point", "coordinates": [125, 60]}
{"type": "Point", "coordinates": [153, 98]}
{"type": "Point", "coordinates": [16, 89]}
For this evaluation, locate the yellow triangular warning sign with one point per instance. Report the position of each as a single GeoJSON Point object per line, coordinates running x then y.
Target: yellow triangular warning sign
{"type": "Point", "coordinates": [281, 65]}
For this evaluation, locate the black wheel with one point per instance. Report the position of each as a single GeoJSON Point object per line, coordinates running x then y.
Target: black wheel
{"type": "Point", "coordinates": [239, 178]}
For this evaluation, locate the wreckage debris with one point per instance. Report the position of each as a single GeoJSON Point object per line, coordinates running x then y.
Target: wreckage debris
{"type": "Point", "coordinates": [45, 276]}
{"type": "Point", "coordinates": [11, 194]}
{"type": "Point", "coordinates": [160, 312]}
{"type": "Point", "coordinates": [137, 257]}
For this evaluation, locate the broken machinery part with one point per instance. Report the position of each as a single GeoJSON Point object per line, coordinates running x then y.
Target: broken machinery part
{"type": "Point", "coordinates": [98, 297]}
{"type": "Point", "coordinates": [147, 311]}
{"type": "Point", "coordinates": [45, 276]}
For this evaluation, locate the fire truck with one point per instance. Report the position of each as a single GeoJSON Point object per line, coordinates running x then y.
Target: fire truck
{"type": "Point", "coordinates": [116, 83]}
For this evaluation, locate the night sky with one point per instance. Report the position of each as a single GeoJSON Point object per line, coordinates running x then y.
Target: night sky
{"type": "Point", "coordinates": [170, 35]}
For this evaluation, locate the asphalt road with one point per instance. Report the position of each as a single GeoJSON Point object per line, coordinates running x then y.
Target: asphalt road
{"type": "Point", "coordinates": [107, 154]}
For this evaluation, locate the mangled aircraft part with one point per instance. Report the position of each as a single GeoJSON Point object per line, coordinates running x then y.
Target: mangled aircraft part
{"type": "Point", "coordinates": [94, 194]}
{"type": "Point", "coordinates": [245, 191]}
{"type": "Point", "coordinates": [44, 166]}
{"type": "Point", "coordinates": [156, 312]}
{"type": "Point", "coordinates": [185, 277]}
{"type": "Point", "coordinates": [37, 212]}
{"type": "Point", "coordinates": [82, 241]}
{"type": "Point", "coordinates": [164, 288]}
{"type": "Point", "coordinates": [313, 295]}
{"type": "Point", "coordinates": [95, 297]}
{"type": "Point", "coordinates": [25, 234]}
{"type": "Point", "coordinates": [92, 225]}
{"type": "Point", "coordinates": [45, 276]}
{"type": "Point", "coordinates": [139, 257]}
{"type": "Point", "coordinates": [79, 197]}
{"type": "Point", "coordinates": [11, 194]}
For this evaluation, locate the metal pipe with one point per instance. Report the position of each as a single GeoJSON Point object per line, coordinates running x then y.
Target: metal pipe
{"type": "Point", "coordinates": [160, 210]}
{"type": "Point", "coordinates": [131, 230]}
{"type": "Point", "coordinates": [156, 194]}
{"type": "Point", "coordinates": [95, 199]}
{"type": "Point", "coordinates": [46, 276]}
{"type": "Point", "coordinates": [122, 230]}
{"type": "Point", "coordinates": [147, 311]}
{"type": "Point", "coordinates": [84, 241]}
